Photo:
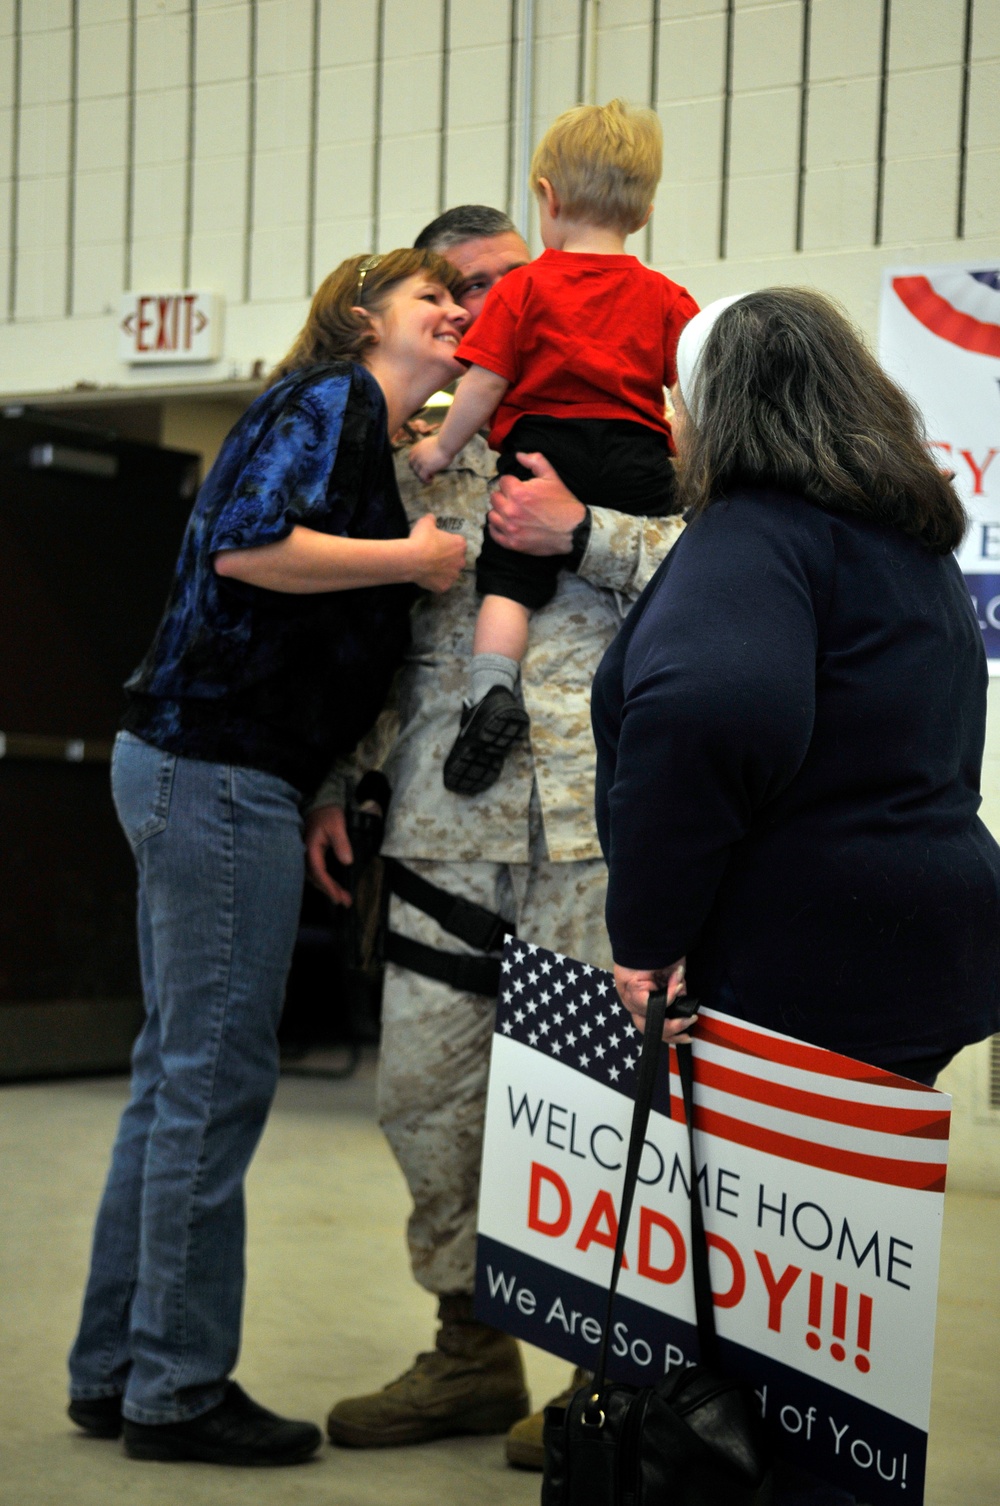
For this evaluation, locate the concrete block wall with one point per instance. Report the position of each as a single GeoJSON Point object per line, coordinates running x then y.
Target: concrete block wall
{"type": "Point", "coordinates": [249, 145]}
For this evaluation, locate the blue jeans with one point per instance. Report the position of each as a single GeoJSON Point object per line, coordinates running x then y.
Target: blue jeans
{"type": "Point", "coordinates": [220, 860]}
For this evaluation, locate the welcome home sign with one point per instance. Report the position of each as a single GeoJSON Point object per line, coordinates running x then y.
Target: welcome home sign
{"type": "Point", "coordinates": [822, 1182]}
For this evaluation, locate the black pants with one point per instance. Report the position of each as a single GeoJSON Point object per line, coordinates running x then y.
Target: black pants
{"type": "Point", "coordinates": [605, 462]}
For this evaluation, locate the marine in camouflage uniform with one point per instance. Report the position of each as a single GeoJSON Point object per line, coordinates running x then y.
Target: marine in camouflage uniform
{"type": "Point", "coordinates": [527, 849]}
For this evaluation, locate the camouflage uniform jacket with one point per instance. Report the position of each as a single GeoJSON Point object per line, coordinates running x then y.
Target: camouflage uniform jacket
{"type": "Point", "coordinates": [568, 638]}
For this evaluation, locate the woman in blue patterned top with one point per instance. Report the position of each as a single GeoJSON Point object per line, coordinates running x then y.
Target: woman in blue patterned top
{"type": "Point", "coordinates": [287, 618]}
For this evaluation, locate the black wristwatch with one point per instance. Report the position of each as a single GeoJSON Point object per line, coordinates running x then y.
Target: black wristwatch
{"type": "Point", "coordinates": [579, 541]}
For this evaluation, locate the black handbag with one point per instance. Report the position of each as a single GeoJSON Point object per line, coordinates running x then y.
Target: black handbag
{"type": "Point", "coordinates": [696, 1437]}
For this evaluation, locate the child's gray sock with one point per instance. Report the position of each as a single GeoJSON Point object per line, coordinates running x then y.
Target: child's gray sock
{"type": "Point", "coordinates": [487, 670]}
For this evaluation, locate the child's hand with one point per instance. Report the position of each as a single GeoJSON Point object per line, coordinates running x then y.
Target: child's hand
{"type": "Point", "coordinates": [427, 457]}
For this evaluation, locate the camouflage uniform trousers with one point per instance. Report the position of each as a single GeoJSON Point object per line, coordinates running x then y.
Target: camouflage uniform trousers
{"type": "Point", "coordinates": [436, 1043]}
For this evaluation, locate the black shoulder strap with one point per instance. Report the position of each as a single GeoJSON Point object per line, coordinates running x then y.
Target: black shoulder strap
{"type": "Point", "coordinates": [648, 1063]}
{"type": "Point", "coordinates": [471, 923]}
{"type": "Point", "coordinates": [708, 1343]}
{"type": "Point", "coordinates": [467, 972]}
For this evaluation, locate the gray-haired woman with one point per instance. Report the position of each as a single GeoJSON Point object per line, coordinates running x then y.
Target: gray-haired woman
{"type": "Point", "coordinates": [790, 724]}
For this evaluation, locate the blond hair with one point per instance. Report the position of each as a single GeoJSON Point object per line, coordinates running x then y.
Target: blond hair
{"type": "Point", "coordinates": [335, 330]}
{"type": "Point", "coordinates": [604, 162]}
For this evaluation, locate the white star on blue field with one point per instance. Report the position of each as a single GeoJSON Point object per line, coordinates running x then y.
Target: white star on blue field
{"type": "Point", "coordinates": [568, 1011]}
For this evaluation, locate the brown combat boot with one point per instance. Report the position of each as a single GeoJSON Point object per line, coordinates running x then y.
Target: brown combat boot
{"type": "Point", "coordinates": [471, 1382]}
{"type": "Point", "coordinates": [524, 1447]}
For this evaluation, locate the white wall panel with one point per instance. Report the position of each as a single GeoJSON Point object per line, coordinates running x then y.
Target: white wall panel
{"type": "Point", "coordinates": [479, 23]}
{"type": "Point", "coordinates": [45, 66]}
{"type": "Point", "coordinates": [692, 144]}
{"type": "Point", "coordinates": [843, 124]}
{"type": "Point", "coordinates": [840, 206]}
{"type": "Point", "coordinates": [161, 126]}
{"type": "Point", "coordinates": [346, 104]}
{"type": "Point", "coordinates": [984, 104]}
{"type": "Point", "coordinates": [219, 195]}
{"type": "Point", "coordinates": [44, 146]}
{"type": "Point", "coordinates": [281, 167]}
{"type": "Point", "coordinates": [477, 165]}
{"type": "Point", "coordinates": [347, 32]}
{"type": "Point", "coordinates": [103, 12]}
{"type": "Point", "coordinates": [161, 47]}
{"type": "Point", "coordinates": [194, 213]}
{"type": "Point", "coordinates": [411, 115]}
{"type": "Point", "coordinates": [100, 209]}
{"type": "Point", "coordinates": [927, 36]}
{"type": "Point", "coordinates": [924, 113]}
{"type": "Point", "coordinates": [845, 39]}
{"type": "Point", "coordinates": [223, 30]}
{"type": "Point", "coordinates": [919, 200]}
{"type": "Point", "coordinates": [623, 61]}
{"type": "Point", "coordinates": [685, 227]}
{"type": "Point", "coordinates": [39, 16]}
{"type": "Point", "coordinates": [691, 56]}
{"type": "Point", "coordinates": [765, 133]}
{"type": "Point", "coordinates": [478, 89]}
{"type": "Point", "coordinates": [983, 192]}
{"type": "Point", "coordinates": [103, 56]}
{"type": "Point", "coordinates": [41, 248]}
{"type": "Point", "coordinates": [100, 134]}
{"type": "Point", "coordinates": [761, 215]}
{"type": "Point", "coordinates": [285, 33]}
{"type": "Point", "coordinates": [986, 30]}
{"type": "Point", "coordinates": [768, 43]}
{"type": "Point", "coordinates": [96, 278]}
{"type": "Point", "coordinates": [409, 187]}
{"type": "Point", "coordinates": [157, 244]}
{"type": "Point", "coordinates": [345, 126]}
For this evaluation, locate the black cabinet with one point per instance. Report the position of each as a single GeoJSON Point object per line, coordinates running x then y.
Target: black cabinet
{"type": "Point", "coordinates": [89, 531]}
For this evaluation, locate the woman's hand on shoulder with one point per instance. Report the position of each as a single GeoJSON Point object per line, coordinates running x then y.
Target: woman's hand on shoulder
{"type": "Point", "coordinates": [635, 985]}
{"type": "Point", "coordinates": [438, 557]}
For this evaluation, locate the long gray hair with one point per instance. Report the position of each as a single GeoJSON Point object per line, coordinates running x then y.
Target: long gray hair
{"type": "Point", "coordinates": [787, 394]}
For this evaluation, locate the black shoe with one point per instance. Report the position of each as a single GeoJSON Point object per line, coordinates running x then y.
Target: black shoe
{"type": "Point", "coordinates": [99, 1416]}
{"type": "Point", "coordinates": [488, 730]}
{"type": "Point", "coordinates": [237, 1431]}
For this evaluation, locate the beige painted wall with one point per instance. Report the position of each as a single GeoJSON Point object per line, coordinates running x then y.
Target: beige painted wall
{"type": "Point", "coordinates": [198, 424]}
{"type": "Point", "coordinates": [235, 145]}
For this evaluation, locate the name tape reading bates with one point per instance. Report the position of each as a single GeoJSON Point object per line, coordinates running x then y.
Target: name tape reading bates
{"type": "Point", "coordinates": [822, 1182]}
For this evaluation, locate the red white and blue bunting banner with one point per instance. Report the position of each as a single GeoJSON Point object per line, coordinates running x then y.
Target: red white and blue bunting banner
{"type": "Point", "coordinates": [939, 336]}
{"type": "Point", "coordinates": [822, 1182]}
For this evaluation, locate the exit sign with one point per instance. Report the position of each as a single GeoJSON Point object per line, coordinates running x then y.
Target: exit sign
{"type": "Point", "coordinates": [170, 327]}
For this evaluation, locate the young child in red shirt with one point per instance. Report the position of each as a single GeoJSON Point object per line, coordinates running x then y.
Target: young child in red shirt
{"type": "Point", "coordinates": [569, 358]}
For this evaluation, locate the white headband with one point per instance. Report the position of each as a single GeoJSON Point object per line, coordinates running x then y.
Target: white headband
{"type": "Point", "coordinates": [692, 343]}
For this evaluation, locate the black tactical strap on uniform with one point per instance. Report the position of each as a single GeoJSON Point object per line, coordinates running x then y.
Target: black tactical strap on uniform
{"type": "Point", "coordinates": [471, 923]}
{"type": "Point", "coordinates": [463, 971]}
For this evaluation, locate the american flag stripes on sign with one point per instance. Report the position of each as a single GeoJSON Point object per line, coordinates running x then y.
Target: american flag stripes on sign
{"type": "Point", "coordinates": [821, 1180]}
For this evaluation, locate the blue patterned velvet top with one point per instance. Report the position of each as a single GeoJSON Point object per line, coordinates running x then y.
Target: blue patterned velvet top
{"type": "Point", "coordinates": [268, 679]}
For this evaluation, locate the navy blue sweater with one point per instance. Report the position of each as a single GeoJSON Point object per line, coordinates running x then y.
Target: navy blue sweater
{"type": "Point", "coordinates": [790, 730]}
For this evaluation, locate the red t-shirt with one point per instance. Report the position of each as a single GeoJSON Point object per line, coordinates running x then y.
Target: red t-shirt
{"type": "Point", "coordinates": [580, 336]}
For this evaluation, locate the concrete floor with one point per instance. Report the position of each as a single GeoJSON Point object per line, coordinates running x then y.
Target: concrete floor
{"type": "Point", "coordinates": [331, 1310]}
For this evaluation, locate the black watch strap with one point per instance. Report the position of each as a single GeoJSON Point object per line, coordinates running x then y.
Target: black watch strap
{"type": "Point", "coordinates": [579, 542]}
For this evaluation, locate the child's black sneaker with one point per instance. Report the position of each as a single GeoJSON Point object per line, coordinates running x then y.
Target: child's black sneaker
{"type": "Point", "coordinates": [487, 732]}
